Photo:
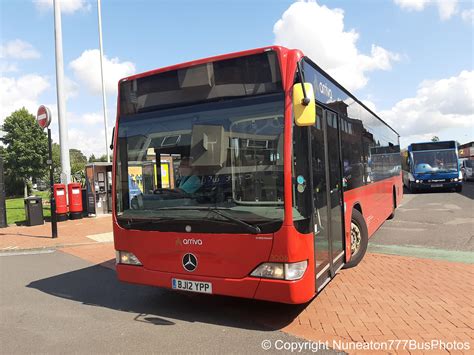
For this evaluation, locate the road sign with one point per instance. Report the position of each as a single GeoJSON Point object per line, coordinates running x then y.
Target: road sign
{"type": "Point", "coordinates": [43, 117]}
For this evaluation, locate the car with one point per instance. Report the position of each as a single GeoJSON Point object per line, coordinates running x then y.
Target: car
{"type": "Point", "coordinates": [467, 167]}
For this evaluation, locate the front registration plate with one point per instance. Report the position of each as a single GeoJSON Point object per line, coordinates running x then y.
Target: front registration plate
{"type": "Point", "coordinates": [436, 185]}
{"type": "Point", "coordinates": [191, 286]}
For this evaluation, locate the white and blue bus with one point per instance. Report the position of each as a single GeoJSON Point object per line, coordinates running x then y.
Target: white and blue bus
{"type": "Point", "coordinates": [431, 165]}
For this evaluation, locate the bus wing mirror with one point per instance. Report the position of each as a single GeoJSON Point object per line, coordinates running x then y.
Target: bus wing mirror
{"type": "Point", "coordinates": [112, 141]}
{"type": "Point", "coordinates": [305, 114]}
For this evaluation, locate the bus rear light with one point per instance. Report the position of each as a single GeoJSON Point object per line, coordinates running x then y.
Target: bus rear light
{"type": "Point", "coordinates": [281, 271]}
{"type": "Point", "coordinates": [124, 257]}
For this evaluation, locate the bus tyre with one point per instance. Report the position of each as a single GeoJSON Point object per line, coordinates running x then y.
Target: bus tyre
{"type": "Point", "coordinates": [459, 188]}
{"type": "Point", "coordinates": [412, 188]}
{"type": "Point", "coordinates": [359, 239]}
{"type": "Point", "coordinates": [394, 206]}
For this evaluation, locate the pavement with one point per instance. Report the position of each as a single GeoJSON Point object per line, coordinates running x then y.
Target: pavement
{"type": "Point", "coordinates": [413, 288]}
{"type": "Point", "coordinates": [71, 232]}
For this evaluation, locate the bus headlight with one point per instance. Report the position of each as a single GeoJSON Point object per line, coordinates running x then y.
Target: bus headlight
{"type": "Point", "coordinates": [456, 179]}
{"type": "Point", "coordinates": [295, 271]}
{"type": "Point", "coordinates": [124, 257]}
{"type": "Point", "coordinates": [282, 271]}
{"type": "Point", "coordinates": [417, 181]}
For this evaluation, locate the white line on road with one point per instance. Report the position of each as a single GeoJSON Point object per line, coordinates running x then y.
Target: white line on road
{"type": "Point", "coordinates": [26, 252]}
{"type": "Point", "coordinates": [404, 229]}
{"type": "Point", "coordinates": [460, 221]}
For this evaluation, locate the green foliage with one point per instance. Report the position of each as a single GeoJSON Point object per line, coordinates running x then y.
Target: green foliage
{"type": "Point", "coordinates": [78, 163]}
{"type": "Point", "coordinates": [16, 208]}
{"type": "Point", "coordinates": [435, 139]}
{"type": "Point", "coordinates": [102, 158]}
{"type": "Point", "coordinates": [14, 186]}
{"type": "Point", "coordinates": [26, 148]}
{"type": "Point", "coordinates": [56, 164]}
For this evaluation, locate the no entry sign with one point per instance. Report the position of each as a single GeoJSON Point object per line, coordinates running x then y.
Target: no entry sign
{"type": "Point", "coordinates": [43, 117]}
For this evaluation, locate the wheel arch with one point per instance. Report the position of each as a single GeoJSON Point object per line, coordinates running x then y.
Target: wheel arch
{"type": "Point", "coordinates": [357, 206]}
{"type": "Point", "coordinates": [394, 195]}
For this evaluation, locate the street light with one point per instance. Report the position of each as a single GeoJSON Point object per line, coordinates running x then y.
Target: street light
{"type": "Point", "coordinates": [104, 103]}
{"type": "Point", "coordinates": [62, 121]}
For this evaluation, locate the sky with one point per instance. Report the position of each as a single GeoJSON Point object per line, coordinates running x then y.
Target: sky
{"type": "Point", "coordinates": [411, 61]}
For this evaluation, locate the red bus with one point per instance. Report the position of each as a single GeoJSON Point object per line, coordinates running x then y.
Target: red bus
{"type": "Point", "coordinates": [252, 174]}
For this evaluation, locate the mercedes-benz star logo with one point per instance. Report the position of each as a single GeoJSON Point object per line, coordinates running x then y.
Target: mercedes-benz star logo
{"type": "Point", "coordinates": [190, 262]}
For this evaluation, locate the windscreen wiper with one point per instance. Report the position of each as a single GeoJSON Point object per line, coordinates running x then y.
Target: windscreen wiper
{"type": "Point", "coordinates": [133, 222]}
{"type": "Point", "coordinates": [250, 227]}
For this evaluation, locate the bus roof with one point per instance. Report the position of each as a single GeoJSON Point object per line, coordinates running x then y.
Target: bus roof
{"type": "Point", "coordinates": [279, 49]}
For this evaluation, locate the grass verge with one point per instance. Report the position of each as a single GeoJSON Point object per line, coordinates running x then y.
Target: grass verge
{"type": "Point", "coordinates": [16, 208]}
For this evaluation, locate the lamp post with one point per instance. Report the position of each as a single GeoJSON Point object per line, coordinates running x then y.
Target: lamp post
{"type": "Point", "coordinates": [104, 103]}
{"type": "Point", "coordinates": [63, 136]}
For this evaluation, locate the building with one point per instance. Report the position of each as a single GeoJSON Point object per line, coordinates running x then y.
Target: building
{"type": "Point", "coordinates": [466, 151]}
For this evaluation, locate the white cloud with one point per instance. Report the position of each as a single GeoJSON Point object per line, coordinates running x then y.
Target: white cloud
{"type": "Point", "coordinates": [86, 69]}
{"type": "Point", "coordinates": [7, 67]}
{"type": "Point", "coordinates": [21, 92]}
{"type": "Point", "coordinates": [88, 119]}
{"type": "Point", "coordinates": [79, 130]}
{"type": "Point", "coordinates": [71, 88]}
{"type": "Point", "coordinates": [412, 5]}
{"type": "Point", "coordinates": [446, 8]}
{"type": "Point", "coordinates": [319, 32]}
{"type": "Point", "coordinates": [437, 106]}
{"type": "Point", "coordinates": [87, 143]}
{"type": "Point", "coordinates": [468, 16]}
{"type": "Point", "coordinates": [369, 104]}
{"type": "Point", "coordinates": [67, 6]}
{"type": "Point", "coordinates": [18, 49]}
{"type": "Point", "coordinates": [93, 118]}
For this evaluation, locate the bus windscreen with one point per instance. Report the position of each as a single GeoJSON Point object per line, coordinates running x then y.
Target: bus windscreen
{"type": "Point", "coordinates": [415, 147]}
{"type": "Point", "coordinates": [237, 77]}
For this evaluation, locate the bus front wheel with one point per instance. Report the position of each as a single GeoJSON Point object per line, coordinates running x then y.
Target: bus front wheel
{"type": "Point", "coordinates": [394, 205]}
{"type": "Point", "coordinates": [359, 239]}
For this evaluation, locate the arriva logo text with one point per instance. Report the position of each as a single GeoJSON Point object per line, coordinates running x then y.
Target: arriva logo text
{"type": "Point", "coordinates": [325, 90]}
{"type": "Point", "coordinates": [192, 242]}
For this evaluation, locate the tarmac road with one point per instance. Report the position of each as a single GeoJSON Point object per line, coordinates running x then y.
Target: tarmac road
{"type": "Point", "coordinates": [57, 303]}
{"type": "Point", "coordinates": [436, 225]}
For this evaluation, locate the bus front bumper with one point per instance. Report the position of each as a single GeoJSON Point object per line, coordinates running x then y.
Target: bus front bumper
{"type": "Point", "coordinates": [422, 185]}
{"type": "Point", "coordinates": [293, 292]}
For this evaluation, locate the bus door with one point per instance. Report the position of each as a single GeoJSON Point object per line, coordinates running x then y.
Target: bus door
{"type": "Point", "coordinates": [327, 197]}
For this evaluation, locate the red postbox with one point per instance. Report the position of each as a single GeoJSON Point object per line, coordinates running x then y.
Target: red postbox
{"type": "Point", "coordinates": [61, 202]}
{"type": "Point", "coordinates": [74, 191]}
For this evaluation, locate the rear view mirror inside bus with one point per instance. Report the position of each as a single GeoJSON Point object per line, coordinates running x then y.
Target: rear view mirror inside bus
{"type": "Point", "coordinates": [305, 114]}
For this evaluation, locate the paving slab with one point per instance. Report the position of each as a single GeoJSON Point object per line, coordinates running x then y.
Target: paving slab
{"type": "Point", "coordinates": [393, 298]}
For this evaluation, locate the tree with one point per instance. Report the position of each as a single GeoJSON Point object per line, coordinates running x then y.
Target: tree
{"type": "Point", "coordinates": [78, 163]}
{"type": "Point", "coordinates": [102, 158]}
{"type": "Point", "coordinates": [26, 148]}
{"type": "Point", "coordinates": [435, 139]}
